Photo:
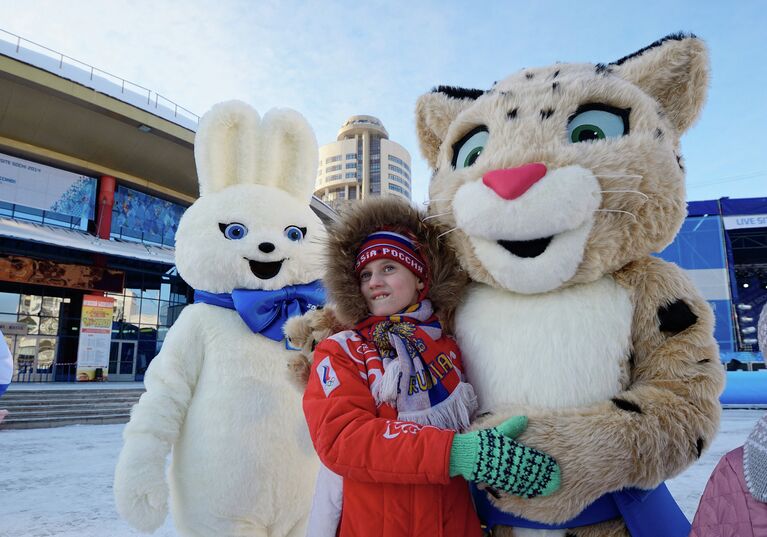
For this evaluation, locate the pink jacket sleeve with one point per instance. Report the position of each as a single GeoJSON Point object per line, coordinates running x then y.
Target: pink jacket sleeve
{"type": "Point", "coordinates": [726, 507]}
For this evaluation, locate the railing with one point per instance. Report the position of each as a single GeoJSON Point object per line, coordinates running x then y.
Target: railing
{"type": "Point", "coordinates": [57, 372]}
{"type": "Point", "coordinates": [131, 235]}
{"type": "Point", "coordinates": [41, 216]}
{"type": "Point", "coordinates": [93, 77]}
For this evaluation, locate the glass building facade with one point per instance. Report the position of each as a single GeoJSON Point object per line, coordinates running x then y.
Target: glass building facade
{"type": "Point", "coordinates": [41, 317]}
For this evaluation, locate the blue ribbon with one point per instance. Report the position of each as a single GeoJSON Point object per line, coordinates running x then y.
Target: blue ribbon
{"type": "Point", "coordinates": [646, 513]}
{"type": "Point", "coordinates": [265, 312]}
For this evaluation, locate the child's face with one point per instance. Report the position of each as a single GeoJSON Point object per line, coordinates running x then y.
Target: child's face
{"type": "Point", "coordinates": [388, 287]}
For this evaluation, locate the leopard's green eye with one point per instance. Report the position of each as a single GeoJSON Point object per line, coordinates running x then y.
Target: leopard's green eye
{"type": "Point", "coordinates": [584, 133]}
{"type": "Point", "coordinates": [467, 150]}
{"type": "Point", "coordinates": [597, 122]}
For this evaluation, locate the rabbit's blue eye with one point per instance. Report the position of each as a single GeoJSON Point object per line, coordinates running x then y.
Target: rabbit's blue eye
{"type": "Point", "coordinates": [233, 231]}
{"type": "Point", "coordinates": [295, 233]}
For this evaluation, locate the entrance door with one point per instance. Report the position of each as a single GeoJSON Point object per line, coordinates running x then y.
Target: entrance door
{"type": "Point", "coordinates": [122, 361]}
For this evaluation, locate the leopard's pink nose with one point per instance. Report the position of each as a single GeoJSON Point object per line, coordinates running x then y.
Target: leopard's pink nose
{"type": "Point", "coordinates": [513, 182]}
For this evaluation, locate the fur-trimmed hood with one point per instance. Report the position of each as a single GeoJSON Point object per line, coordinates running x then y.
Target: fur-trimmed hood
{"type": "Point", "coordinates": [447, 279]}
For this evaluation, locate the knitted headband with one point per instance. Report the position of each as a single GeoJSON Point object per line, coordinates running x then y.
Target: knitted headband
{"type": "Point", "coordinates": [395, 246]}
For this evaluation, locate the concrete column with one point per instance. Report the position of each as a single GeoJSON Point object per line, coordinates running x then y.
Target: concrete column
{"type": "Point", "coordinates": [365, 165]}
{"type": "Point", "coordinates": [105, 202]}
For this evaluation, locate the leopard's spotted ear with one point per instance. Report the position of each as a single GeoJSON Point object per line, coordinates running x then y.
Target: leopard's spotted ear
{"type": "Point", "coordinates": [674, 70]}
{"type": "Point", "coordinates": [434, 113]}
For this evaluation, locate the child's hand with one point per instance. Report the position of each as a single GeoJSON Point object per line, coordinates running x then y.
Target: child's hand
{"type": "Point", "coordinates": [492, 456]}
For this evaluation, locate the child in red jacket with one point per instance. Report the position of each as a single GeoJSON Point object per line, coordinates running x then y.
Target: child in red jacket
{"type": "Point", "coordinates": [384, 400]}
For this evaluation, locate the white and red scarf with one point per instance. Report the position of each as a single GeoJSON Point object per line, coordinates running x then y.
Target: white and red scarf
{"type": "Point", "coordinates": [421, 377]}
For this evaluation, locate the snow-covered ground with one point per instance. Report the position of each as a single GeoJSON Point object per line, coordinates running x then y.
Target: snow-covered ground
{"type": "Point", "coordinates": [59, 481]}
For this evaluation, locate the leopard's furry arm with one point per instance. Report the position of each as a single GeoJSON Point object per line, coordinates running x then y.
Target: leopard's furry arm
{"type": "Point", "coordinates": [659, 425]}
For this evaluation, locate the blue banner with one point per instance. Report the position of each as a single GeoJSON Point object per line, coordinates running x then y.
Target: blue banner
{"type": "Point", "coordinates": [145, 217]}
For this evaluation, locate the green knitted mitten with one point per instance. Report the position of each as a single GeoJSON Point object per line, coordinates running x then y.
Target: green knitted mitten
{"type": "Point", "coordinates": [492, 456]}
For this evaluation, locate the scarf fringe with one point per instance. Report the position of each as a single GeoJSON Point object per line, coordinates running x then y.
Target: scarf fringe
{"type": "Point", "coordinates": [386, 390]}
{"type": "Point", "coordinates": [455, 412]}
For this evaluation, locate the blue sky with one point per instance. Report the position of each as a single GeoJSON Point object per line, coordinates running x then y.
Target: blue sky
{"type": "Point", "coordinates": [330, 60]}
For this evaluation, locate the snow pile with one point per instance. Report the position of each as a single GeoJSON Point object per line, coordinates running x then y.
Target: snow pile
{"type": "Point", "coordinates": [59, 481]}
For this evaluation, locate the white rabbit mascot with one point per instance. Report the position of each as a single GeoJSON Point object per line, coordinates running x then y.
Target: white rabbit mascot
{"type": "Point", "coordinates": [217, 393]}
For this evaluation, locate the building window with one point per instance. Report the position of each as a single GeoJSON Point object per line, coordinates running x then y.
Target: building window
{"type": "Point", "coordinates": [397, 169]}
{"type": "Point", "coordinates": [397, 188]}
{"type": "Point", "coordinates": [335, 158]}
{"type": "Point", "coordinates": [400, 162]}
{"type": "Point", "coordinates": [335, 177]}
{"type": "Point", "coordinates": [375, 148]}
{"type": "Point", "coordinates": [335, 194]}
{"type": "Point", "coordinates": [351, 165]}
{"type": "Point", "coordinates": [145, 311]}
{"type": "Point", "coordinates": [398, 179]}
{"type": "Point", "coordinates": [352, 192]}
{"type": "Point", "coordinates": [375, 166]}
{"type": "Point", "coordinates": [351, 156]}
{"type": "Point", "coordinates": [335, 168]}
{"type": "Point", "coordinates": [351, 175]}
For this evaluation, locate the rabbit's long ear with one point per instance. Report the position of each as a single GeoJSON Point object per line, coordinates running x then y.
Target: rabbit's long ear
{"type": "Point", "coordinates": [288, 152]}
{"type": "Point", "coordinates": [226, 146]}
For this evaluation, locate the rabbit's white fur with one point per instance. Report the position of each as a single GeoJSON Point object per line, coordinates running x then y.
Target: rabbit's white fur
{"type": "Point", "coordinates": [217, 394]}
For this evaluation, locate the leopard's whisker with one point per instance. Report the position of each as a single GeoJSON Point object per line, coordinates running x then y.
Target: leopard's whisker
{"type": "Point", "coordinates": [446, 232]}
{"type": "Point", "coordinates": [425, 218]}
{"type": "Point", "coordinates": [630, 176]}
{"type": "Point", "coordinates": [626, 192]}
{"type": "Point", "coordinates": [632, 215]}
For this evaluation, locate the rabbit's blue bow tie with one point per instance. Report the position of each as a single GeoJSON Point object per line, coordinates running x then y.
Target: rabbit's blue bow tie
{"type": "Point", "coordinates": [266, 311]}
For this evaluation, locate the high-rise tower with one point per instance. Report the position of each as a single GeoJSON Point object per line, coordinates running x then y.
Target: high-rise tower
{"type": "Point", "coordinates": [362, 162]}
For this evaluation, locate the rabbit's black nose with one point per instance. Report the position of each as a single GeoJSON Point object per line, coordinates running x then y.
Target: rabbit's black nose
{"type": "Point", "coordinates": [266, 247]}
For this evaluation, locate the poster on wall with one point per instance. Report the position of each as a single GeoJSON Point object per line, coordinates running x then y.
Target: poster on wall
{"type": "Point", "coordinates": [145, 217]}
{"type": "Point", "coordinates": [95, 338]}
{"type": "Point", "coordinates": [28, 183]}
{"type": "Point", "coordinates": [14, 268]}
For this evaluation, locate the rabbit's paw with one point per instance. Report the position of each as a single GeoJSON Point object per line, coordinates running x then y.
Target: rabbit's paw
{"type": "Point", "coordinates": [140, 486]}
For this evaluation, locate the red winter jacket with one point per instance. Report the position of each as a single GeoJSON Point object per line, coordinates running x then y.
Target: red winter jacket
{"type": "Point", "coordinates": [396, 480]}
{"type": "Point", "coordinates": [727, 508]}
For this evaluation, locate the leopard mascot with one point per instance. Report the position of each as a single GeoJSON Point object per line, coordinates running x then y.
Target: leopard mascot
{"type": "Point", "coordinates": [557, 184]}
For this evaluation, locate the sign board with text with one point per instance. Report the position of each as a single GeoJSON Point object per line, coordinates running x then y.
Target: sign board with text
{"type": "Point", "coordinates": [95, 338]}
